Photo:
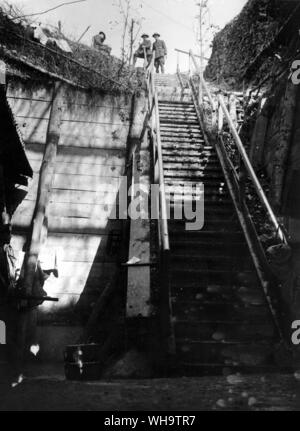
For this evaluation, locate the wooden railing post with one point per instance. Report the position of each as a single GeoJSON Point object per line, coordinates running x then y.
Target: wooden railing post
{"type": "Point", "coordinates": [233, 110]}
{"type": "Point", "coordinates": [220, 119]}
{"type": "Point", "coordinates": [167, 333]}
{"type": "Point", "coordinates": [250, 171]}
{"type": "Point", "coordinates": [44, 189]}
{"type": "Point", "coordinates": [200, 89]}
{"type": "Point", "coordinates": [2, 73]}
{"type": "Point", "coordinates": [38, 223]}
{"type": "Point", "coordinates": [214, 118]}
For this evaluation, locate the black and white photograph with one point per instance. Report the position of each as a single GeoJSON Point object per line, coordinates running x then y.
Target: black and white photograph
{"type": "Point", "coordinates": [150, 208]}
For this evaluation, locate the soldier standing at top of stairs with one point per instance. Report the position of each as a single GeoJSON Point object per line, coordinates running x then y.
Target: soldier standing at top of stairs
{"type": "Point", "coordinates": [144, 51]}
{"type": "Point", "coordinates": [160, 50]}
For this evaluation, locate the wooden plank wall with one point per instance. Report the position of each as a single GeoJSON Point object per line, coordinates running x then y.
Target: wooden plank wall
{"type": "Point", "coordinates": [88, 174]}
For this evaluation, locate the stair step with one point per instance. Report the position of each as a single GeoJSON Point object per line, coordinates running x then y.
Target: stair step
{"type": "Point", "coordinates": [196, 248]}
{"type": "Point", "coordinates": [187, 175]}
{"type": "Point", "coordinates": [189, 132]}
{"type": "Point", "coordinates": [184, 208]}
{"type": "Point", "coordinates": [219, 323]}
{"type": "Point", "coordinates": [221, 294]}
{"type": "Point", "coordinates": [173, 111]}
{"type": "Point", "coordinates": [190, 197]}
{"type": "Point", "coordinates": [198, 145]}
{"type": "Point", "coordinates": [176, 104]}
{"type": "Point", "coordinates": [197, 273]}
{"type": "Point", "coordinates": [196, 157]}
{"type": "Point", "coordinates": [226, 236]}
{"type": "Point", "coordinates": [176, 149]}
{"type": "Point", "coordinates": [181, 137]}
{"type": "Point", "coordinates": [180, 119]}
{"type": "Point", "coordinates": [215, 211]}
{"type": "Point", "coordinates": [214, 254]}
{"type": "Point", "coordinates": [199, 154]}
{"type": "Point", "coordinates": [176, 107]}
{"type": "Point", "coordinates": [173, 106]}
{"type": "Point", "coordinates": [193, 310]}
{"type": "Point", "coordinates": [208, 183]}
{"type": "Point", "coordinates": [179, 116]}
{"type": "Point", "coordinates": [202, 274]}
{"type": "Point", "coordinates": [176, 229]}
{"type": "Point", "coordinates": [180, 225]}
{"type": "Point", "coordinates": [177, 112]}
{"type": "Point", "coordinates": [203, 261]}
{"type": "Point", "coordinates": [228, 353]}
{"type": "Point", "coordinates": [183, 143]}
{"type": "Point", "coordinates": [176, 118]}
{"type": "Point", "coordinates": [213, 208]}
{"type": "Point", "coordinates": [224, 330]}
{"type": "Point", "coordinates": [193, 290]}
{"type": "Point", "coordinates": [179, 122]}
{"type": "Point", "coordinates": [191, 187]}
{"type": "Point", "coordinates": [220, 225]}
{"type": "Point", "coordinates": [205, 276]}
{"type": "Point", "coordinates": [192, 166]}
{"type": "Point", "coordinates": [189, 202]}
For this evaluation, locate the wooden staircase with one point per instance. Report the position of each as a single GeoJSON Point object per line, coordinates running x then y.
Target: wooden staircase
{"type": "Point", "coordinates": [222, 321]}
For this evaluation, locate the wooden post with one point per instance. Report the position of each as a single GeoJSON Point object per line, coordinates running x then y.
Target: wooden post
{"type": "Point", "coordinates": [220, 119]}
{"type": "Point", "coordinates": [2, 179]}
{"type": "Point", "coordinates": [2, 73]}
{"type": "Point", "coordinates": [43, 195]}
{"type": "Point", "coordinates": [233, 109]}
{"type": "Point", "coordinates": [44, 189]}
{"type": "Point", "coordinates": [201, 5]}
{"type": "Point", "coordinates": [214, 118]}
{"type": "Point", "coordinates": [131, 32]}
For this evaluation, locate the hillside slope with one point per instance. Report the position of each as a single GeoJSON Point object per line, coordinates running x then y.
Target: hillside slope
{"type": "Point", "coordinates": [85, 66]}
{"type": "Point", "coordinates": [257, 41]}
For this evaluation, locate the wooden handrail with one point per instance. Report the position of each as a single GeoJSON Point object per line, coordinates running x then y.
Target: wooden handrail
{"type": "Point", "coordinates": [181, 51]}
{"type": "Point", "coordinates": [166, 326]}
{"type": "Point", "coordinates": [202, 80]}
{"type": "Point", "coordinates": [153, 110]}
{"type": "Point", "coordinates": [261, 194]}
{"type": "Point", "coordinates": [163, 201]}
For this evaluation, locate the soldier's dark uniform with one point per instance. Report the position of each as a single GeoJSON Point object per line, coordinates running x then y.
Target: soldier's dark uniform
{"type": "Point", "coordinates": [160, 50]}
{"type": "Point", "coordinates": [145, 46]}
{"type": "Point", "coordinates": [98, 40]}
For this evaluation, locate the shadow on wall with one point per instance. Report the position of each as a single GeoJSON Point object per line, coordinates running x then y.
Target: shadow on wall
{"type": "Point", "coordinates": [88, 251]}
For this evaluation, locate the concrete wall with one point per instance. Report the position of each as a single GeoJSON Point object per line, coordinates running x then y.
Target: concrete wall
{"type": "Point", "coordinates": [88, 173]}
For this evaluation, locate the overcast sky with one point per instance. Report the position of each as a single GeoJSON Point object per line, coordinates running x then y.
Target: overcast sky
{"type": "Point", "coordinates": [174, 19]}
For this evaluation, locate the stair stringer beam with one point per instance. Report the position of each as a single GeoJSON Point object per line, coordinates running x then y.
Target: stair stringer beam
{"type": "Point", "coordinates": [264, 282]}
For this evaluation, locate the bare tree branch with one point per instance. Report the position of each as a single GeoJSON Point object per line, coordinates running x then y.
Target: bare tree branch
{"type": "Point", "coordinates": [50, 10]}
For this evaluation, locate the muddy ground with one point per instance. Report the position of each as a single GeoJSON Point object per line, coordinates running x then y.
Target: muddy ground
{"type": "Point", "coordinates": [50, 392]}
